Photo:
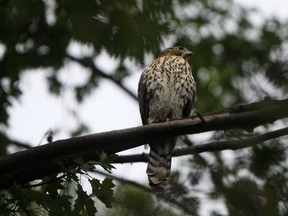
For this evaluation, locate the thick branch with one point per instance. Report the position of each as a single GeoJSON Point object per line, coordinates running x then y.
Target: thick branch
{"type": "Point", "coordinates": [210, 147]}
{"type": "Point", "coordinates": [40, 161]}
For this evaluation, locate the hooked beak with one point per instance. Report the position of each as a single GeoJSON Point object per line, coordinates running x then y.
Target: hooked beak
{"type": "Point", "coordinates": [187, 55]}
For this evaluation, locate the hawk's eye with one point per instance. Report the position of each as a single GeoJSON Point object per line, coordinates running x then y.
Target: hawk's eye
{"type": "Point", "coordinates": [180, 48]}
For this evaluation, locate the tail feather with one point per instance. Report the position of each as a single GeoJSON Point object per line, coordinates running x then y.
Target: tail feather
{"type": "Point", "coordinates": [159, 166]}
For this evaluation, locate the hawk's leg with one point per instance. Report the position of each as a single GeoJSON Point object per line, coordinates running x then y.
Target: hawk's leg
{"type": "Point", "coordinates": [168, 120]}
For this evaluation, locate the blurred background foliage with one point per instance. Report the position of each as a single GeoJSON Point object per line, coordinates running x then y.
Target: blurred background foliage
{"type": "Point", "coordinates": [236, 60]}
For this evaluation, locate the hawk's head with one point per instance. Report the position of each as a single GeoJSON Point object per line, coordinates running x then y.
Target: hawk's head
{"type": "Point", "coordinates": [176, 51]}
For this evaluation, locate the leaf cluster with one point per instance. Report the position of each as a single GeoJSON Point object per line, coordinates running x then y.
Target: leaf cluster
{"type": "Point", "coordinates": [61, 194]}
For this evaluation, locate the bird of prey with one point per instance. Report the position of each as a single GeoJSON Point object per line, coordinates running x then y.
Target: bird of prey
{"type": "Point", "coordinates": [166, 91]}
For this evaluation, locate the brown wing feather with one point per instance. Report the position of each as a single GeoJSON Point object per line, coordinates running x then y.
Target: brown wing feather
{"type": "Point", "coordinates": [188, 106]}
{"type": "Point", "coordinates": [143, 100]}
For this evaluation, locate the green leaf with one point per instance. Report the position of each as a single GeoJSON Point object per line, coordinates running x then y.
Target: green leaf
{"type": "Point", "coordinates": [85, 166]}
{"type": "Point", "coordinates": [84, 203]}
{"type": "Point", "coordinates": [264, 158]}
{"type": "Point", "coordinates": [103, 191]}
{"type": "Point", "coordinates": [59, 205]}
{"type": "Point", "coordinates": [52, 185]}
{"type": "Point", "coordinates": [106, 160]}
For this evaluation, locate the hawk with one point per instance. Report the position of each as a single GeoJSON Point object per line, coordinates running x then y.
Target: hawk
{"type": "Point", "coordinates": [166, 91]}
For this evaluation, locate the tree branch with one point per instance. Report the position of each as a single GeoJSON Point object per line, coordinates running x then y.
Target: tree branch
{"type": "Point", "coordinates": [40, 161]}
{"type": "Point", "coordinates": [88, 62]}
{"type": "Point", "coordinates": [210, 147]}
{"type": "Point", "coordinates": [19, 144]}
{"type": "Point", "coordinates": [7, 141]}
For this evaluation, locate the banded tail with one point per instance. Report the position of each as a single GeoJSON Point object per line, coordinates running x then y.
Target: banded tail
{"type": "Point", "coordinates": [159, 165]}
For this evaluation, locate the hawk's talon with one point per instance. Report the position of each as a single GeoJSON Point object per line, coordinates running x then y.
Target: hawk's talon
{"type": "Point", "coordinates": [200, 117]}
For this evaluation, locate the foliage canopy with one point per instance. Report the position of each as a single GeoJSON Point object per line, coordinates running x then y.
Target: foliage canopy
{"type": "Point", "coordinates": [235, 61]}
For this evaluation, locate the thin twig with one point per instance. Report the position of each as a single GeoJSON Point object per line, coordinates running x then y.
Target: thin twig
{"type": "Point", "coordinates": [18, 143]}
{"type": "Point", "coordinates": [45, 182]}
{"type": "Point", "coordinates": [88, 62]}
